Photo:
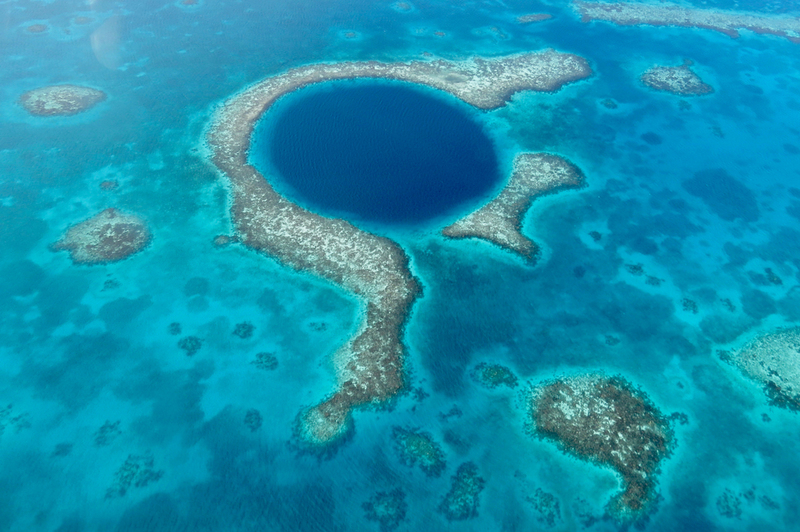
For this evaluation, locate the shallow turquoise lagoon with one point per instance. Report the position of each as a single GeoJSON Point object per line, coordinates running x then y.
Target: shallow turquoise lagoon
{"type": "Point", "coordinates": [161, 392]}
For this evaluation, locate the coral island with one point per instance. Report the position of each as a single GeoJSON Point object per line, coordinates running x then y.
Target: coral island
{"type": "Point", "coordinates": [416, 447]}
{"type": "Point", "coordinates": [108, 236]}
{"type": "Point", "coordinates": [370, 365]}
{"type": "Point", "coordinates": [499, 221]}
{"type": "Point", "coordinates": [461, 502]}
{"type": "Point", "coordinates": [665, 14]}
{"type": "Point", "coordinates": [60, 100]}
{"type": "Point", "coordinates": [773, 361]}
{"type": "Point", "coordinates": [388, 509]}
{"type": "Point", "coordinates": [680, 80]}
{"type": "Point", "coordinates": [494, 375]}
{"type": "Point", "coordinates": [607, 421]}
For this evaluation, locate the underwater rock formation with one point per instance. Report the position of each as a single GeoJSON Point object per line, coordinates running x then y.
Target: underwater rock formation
{"type": "Point", "coordinates": [417, 447]}
{"type": "Point", "coordinates": [461, 502]}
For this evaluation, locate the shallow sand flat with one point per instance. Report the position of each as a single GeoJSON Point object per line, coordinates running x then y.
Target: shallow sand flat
{"type": "Point", "coordinates": [499, 221]}
{"type": "Point", "coordinates": [726, 22]}
{"type": "Point", "coordinates": [370, 365]}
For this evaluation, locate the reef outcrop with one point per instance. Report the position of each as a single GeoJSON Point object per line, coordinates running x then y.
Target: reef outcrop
{"type": "Point", "coordinates": [665, 14]}
{"type": "Point", "coordinates": [680, 80]}
{"type": "Point", "coordinates": [462, 500]}
{"type": "Point", "coordinates": [500, 221]}
{"type": "Point", "coordinates": [607, 421]}
{"type": "Point", "coordinates": [60, 100]}
{"type": "Point", "coordinates": [108, 236]}
{"type": "Point", "coordinates": [370, 365]}
{"type": "Point", "coordinates": [418, 447]}
{"type": "Point", "coordinates": [773, 361]}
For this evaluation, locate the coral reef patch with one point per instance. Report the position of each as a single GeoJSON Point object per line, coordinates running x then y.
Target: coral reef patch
{"type": "Point", "coordinates": [108, 236]}
{"type": "Point", "coordinates": [605, 420]}
{"type": "Point", "coordinates": [60, 100]}
{"type": "Point", "coordinates": [499, 221]}
{"type": "Point", "coordinates": [680, 80]}
{"type": "Point", "coordinates": [666, 14]}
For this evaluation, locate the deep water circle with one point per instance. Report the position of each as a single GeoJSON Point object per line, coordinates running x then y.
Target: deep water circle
{"type": "Point", "coordinates": [383, 152]}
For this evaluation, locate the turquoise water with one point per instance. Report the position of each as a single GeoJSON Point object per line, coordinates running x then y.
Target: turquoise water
{"type": "Point", "coordinates": [704, 198]}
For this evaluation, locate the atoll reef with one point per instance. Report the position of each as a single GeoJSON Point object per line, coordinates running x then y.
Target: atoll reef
{"type": "Point", "coordinates": [417, 447]}
{"type": "Point", "coordinates": [60, 100]}
{"type": "Point", "coordinates": [773, 361]}
{"type": "Point", "coordinates": [375, 269]}
{"type": "Point", "coordinates": [607, 421]}
{"type": "Point", "coordinates": [533, 17]}
{"type": "Point", "coordinates": [680, 80]}
{"type": "Point", "coordinates": [108, 236]}
{"type": "Point", "coordinates": [388, 509]}
{"type": "Point", "coordinates": [137, 472]}
{"type": "Point", "coordinates": [664, 14]}
{"type": "Point", "coordinates": [494, 375]}
{"type": "Point", "coordinates": [499, 221]}
{"type": "Point", "coordinates": [461, 502]}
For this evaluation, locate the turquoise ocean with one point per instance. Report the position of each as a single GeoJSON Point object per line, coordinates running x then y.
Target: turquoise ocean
{"type": "Point", "coordinates": [107, 424]}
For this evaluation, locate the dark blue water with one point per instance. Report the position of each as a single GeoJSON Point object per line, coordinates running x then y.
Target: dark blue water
{"type": "Point", "coordinates": [380, 152]}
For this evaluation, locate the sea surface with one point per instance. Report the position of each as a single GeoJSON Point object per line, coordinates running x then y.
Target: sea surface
{"type": "Point", "coordinates": [106, 424]}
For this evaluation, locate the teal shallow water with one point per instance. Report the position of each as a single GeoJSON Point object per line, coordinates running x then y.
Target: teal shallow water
{"type": "Point", "coordinates": [83, 346]}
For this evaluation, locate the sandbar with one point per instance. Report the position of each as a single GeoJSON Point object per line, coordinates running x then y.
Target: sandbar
{"type": "Point", "coordinates": [370, 366]}
{"type": "Point", "coordinates": [607, 421]}
{"type": "Point", "coordinates": [500, 221]}
{"type": "Point", "coordinates": [60, 100]}
{"type": "Point", "coordinates": [665, 14]}
{"type": "Point", "coordinates": [680, 80]}
{"type": "Point", "coordinates": [108, 236]}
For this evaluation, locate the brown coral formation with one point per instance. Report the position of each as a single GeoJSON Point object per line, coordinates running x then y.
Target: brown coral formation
{"type": "Point", "coordinates": [60, 100]}
{"type": "Point", "coordinates": [664, 14]}
{"type": "Point", "coordinates": [375, 269]}
{"type": "Point", "coordinates": [37, 28]}
{"type": "Point", "coordinates": [773, 361]}
{"type": "Point", "coordinates": [607, 421]}
{"type": "Point", "coordinates": [499, 221]}
{"type": "Point", "coordinates": [108, 236]}
{"type": "Point", "coordinates": [680, 80]}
